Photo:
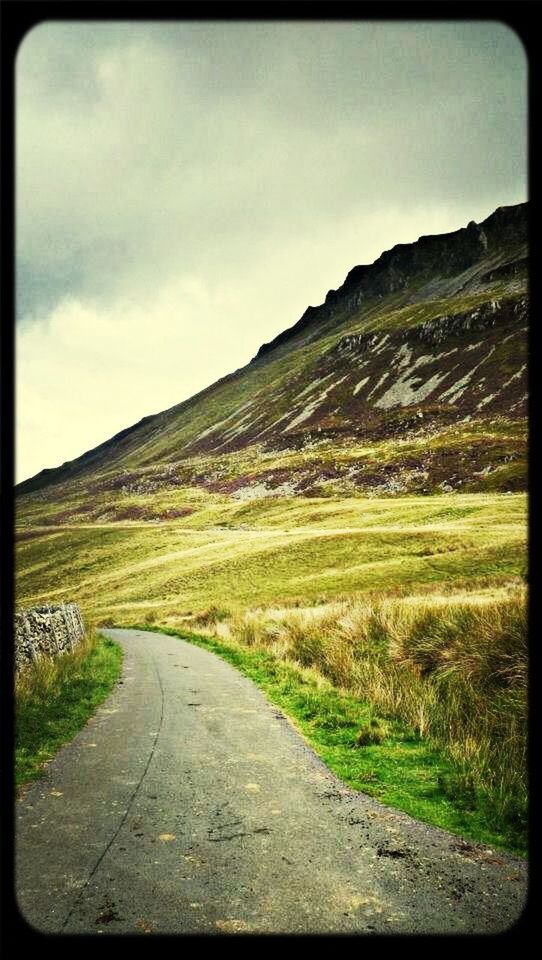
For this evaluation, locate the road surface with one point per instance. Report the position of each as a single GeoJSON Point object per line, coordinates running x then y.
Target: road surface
{"type": "Point", "coordinates": [189, 804]}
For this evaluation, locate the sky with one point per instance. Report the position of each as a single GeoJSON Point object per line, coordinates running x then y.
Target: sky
{"type": "Point", "coordinates": [185, 190]}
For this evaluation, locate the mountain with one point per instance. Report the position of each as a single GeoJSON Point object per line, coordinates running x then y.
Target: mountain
{"type": "Point", "coordinates": [420, 358]}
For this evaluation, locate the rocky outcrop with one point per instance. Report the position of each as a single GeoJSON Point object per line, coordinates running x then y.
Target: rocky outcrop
{"type": "Point", "coordinates": [48, 629]}
{"type": "Point", "coordinates": [487, 315]}
{"type": "Point", "coordinates": [513, 311]}
{"type": "Point", "coordinates": [408, 265]}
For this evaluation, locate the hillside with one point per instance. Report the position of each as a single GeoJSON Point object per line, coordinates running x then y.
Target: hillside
{"type": "Point", "coordinates": [409, 380]}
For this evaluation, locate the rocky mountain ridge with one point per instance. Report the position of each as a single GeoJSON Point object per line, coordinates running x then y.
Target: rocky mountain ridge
{"type": "Point", "coordinates": [434, 332]}
{"type": "Point", "coordinates": [432, 259]}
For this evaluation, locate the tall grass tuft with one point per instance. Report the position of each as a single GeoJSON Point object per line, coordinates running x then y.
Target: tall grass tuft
{"type": "Point", "coordinates": [42, 679]}
{"type": "Point", "coordinates": [55, 696]}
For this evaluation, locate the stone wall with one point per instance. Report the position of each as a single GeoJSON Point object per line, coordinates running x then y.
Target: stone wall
{"type": "Point", "coordinates": [48, 629]}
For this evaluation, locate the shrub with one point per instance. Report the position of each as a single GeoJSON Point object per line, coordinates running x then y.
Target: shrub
{"type": "Point", "coordinates": [211, 615]}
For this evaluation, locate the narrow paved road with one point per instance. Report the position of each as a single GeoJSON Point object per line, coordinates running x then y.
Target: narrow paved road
{"type": "Point", "coordinates": [189, 804]}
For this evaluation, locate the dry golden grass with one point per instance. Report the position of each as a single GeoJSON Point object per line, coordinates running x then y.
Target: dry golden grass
{"type": "Point", "coordinates": [40, 678]}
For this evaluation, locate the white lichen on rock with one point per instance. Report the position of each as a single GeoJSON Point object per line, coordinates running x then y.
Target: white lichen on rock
{"type": "Point", "coordinates": [380, 346]}
{"type": "Point", "coordinates": [312, 386]}
{"type": "Point", "coordinates": [403, 357]}
{"type": "Point", "coordinates": [403, 393]}
{"type": "Point", "coordinates": [485, 400]}
{"type": "Point", "coordinates": [259, 490]}
{"type": "Point", "coordinates": [220, 423]}
{"type": "Point", "coordinates": [457, 389]}
{"type": "Point", "coordinates": [514, 376]}
{"type": "Point", "coordinates": [408, 389]}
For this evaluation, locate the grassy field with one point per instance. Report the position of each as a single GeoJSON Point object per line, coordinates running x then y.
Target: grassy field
{"type": "Point", "coordinates": [54, 697]}
{"type": "Point", "coordinates": [273, 551]}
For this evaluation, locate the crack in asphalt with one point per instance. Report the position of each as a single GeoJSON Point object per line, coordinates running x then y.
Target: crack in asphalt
{"type": "Point", "coordinates": [79, 897]}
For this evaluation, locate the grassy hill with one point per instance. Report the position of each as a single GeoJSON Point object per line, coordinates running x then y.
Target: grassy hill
{"type": "Point", "coordinates": [273, 550]}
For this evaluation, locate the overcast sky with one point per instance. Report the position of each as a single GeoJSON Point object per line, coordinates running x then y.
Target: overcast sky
{"type": "Point", "coordinates": [186, 190]}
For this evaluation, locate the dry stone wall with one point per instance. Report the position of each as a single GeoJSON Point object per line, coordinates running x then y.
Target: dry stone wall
{"type": "Point", "coordinates": [48, 629]}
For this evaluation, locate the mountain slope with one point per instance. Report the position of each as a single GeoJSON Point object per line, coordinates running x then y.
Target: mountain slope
{"type": "Point", "coordinates": [427, 346]}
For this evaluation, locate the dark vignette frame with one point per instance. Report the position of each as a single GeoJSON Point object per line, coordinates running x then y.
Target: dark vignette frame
{"type": "Point", "coordinates": [16, 19]}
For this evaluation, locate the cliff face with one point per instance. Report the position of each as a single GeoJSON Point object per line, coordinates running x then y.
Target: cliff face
{"type": "Point", "coordinates": [467, 255]}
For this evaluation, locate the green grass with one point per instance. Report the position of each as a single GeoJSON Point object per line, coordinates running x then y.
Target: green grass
{"type": "Point", "coordinates": [272, 551]}
{"type": "Point", "coordinates": [402, 770]}
{"type": "Point", "coordinates": [54, 699]}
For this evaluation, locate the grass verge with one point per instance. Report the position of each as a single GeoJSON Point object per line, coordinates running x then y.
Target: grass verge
{"type": "Point", "coordinates": [54, 698]}
{"type": "Point", "coordinates": [382, 757]}
{"type": "Point", "coordinates": [453, 667]}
